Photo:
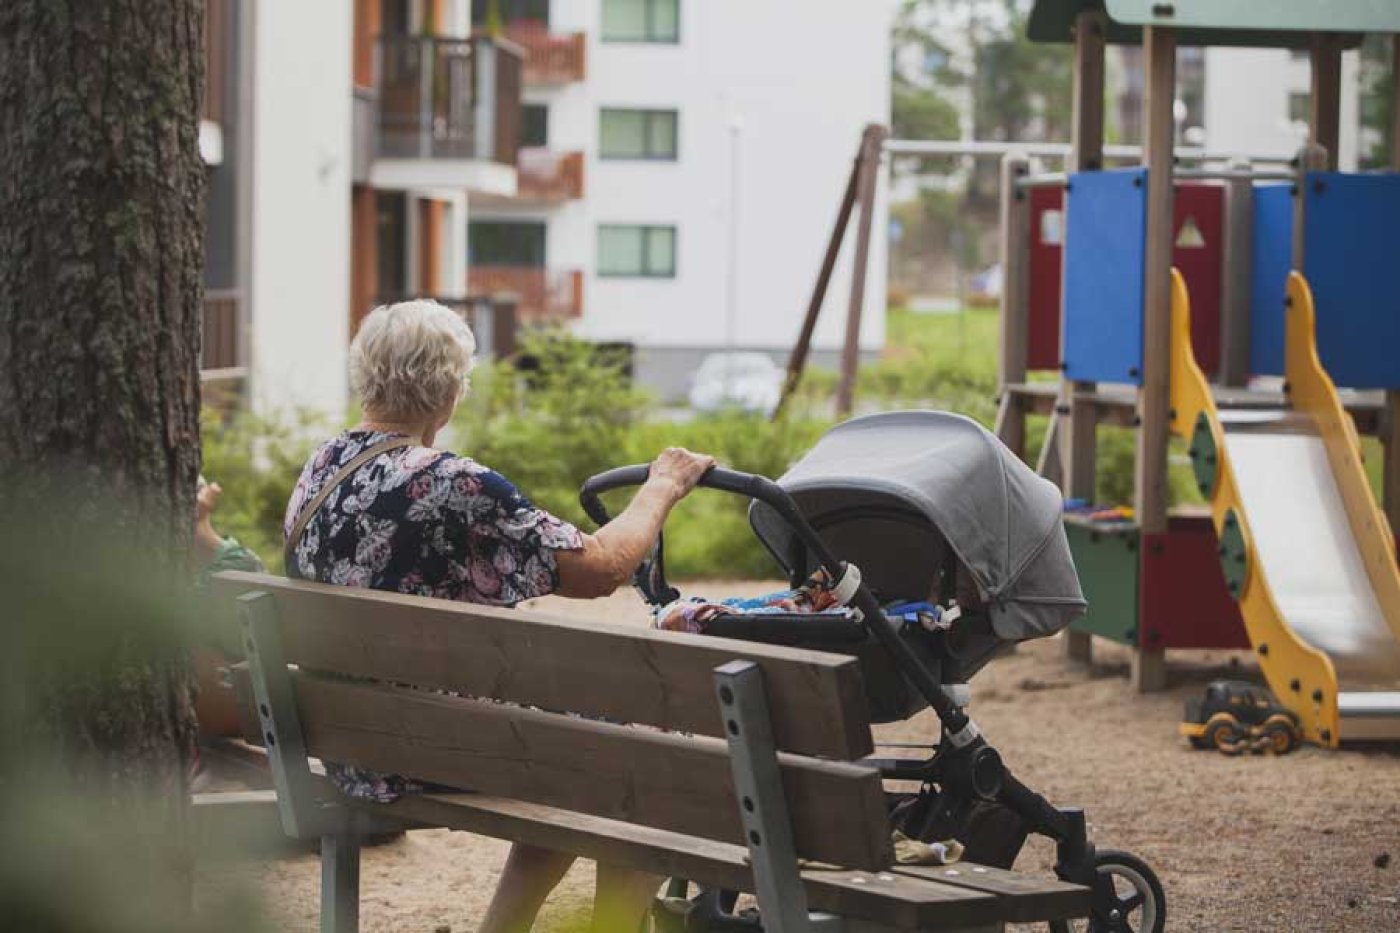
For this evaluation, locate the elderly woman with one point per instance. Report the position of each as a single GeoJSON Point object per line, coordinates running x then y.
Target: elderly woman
{"type": "Point", "coordinates": [379, 506]}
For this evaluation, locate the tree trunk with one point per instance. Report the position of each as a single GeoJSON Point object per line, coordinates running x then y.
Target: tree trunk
{"type": "Point", "coordinates": [101, 266]}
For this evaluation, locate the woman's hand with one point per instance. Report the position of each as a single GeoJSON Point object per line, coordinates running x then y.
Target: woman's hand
{"type": "Point", "coordinates": [679, 470]}
{"type": "Point", "coordinates": [607, 560]}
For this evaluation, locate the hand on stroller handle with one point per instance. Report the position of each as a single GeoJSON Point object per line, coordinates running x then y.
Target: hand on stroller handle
{"type": "Point", "coordinates": [751, 485]}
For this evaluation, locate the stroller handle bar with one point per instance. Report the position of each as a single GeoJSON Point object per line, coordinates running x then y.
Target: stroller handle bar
{"type": "Point", "coordinates": [771, 494]}
{"type": "Point", "coordinates": [750, 485]}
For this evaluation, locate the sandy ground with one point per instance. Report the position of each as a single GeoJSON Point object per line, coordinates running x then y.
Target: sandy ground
{"type": "Point", "coordinates": [1308, 842]}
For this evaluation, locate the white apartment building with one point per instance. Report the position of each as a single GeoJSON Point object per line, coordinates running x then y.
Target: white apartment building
{"type": "Point", "coordinates": [683, 162]}
{"type": "Point", "coordinates": [1256, 101]}
{"type": "Point", "coordinates": [342, 138]}
{"type": "Point", "coordinates": [668, 183]}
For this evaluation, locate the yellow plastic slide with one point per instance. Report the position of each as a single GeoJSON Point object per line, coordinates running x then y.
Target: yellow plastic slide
{"type": "Point", "coordinates": [1305, 549]}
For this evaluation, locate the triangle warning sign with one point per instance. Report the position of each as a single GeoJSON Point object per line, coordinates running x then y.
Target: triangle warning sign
{"type": "Point", "coordinates": [1190, 236]}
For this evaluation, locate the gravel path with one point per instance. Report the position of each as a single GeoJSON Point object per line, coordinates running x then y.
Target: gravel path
{"type": "Point", "coordinates": [1308, 842]}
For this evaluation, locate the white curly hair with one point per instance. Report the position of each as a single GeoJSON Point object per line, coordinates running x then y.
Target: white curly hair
{"type": "Point", "coordinates": [411, 360]}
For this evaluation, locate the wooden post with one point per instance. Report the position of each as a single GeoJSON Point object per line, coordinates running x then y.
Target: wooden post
{"type": "Point", "coordinates": [1154, 398]}
{"type": "Point", "coordinates": [872, 142]}
{"type": "Point", "coordinates": [1079, 428]}
{"type": "Point", "coordinates": [1310, 158]}
{"type": "Point", "coordinates": [1235, 283]}
{"type": "Point", "coordinates": [1325, 101]}
{"type": "Point", "coordinates": [797, 362]}
{"type": "Point", "coordinates": [1390, 465]}
{"type": "Point", "coordinates": [1075, 423]}
{"type": "Point", "coordinates": [1015, 309]}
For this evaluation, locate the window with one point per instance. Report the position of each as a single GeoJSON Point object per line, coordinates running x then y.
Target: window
{"type": "Point", "coordinates": [500, 243]}
{"type": "Point", "coordinates": [531, 12]}
{"type": "Point", "coordinates": [391, 212]}
{"type": "Point", "coordinates": [534, 125]}
{"type": "Point", "coordinates": [637, 134]}
{"type": "Point", "coordinates": [641, 21]}
{"type": "Point", "coordinates": [1298, 106]}
{"type": "Point", "coordinates": [644, 252]}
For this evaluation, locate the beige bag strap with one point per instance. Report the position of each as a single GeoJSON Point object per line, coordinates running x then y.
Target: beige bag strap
{"type": "Point", "coordinates": [341, 475]}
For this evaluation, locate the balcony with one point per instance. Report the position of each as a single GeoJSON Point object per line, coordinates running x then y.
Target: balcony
{"type": "Point", "coordinates": [218, 80]}
{"type": "Point", "coordinates": [222, 352]}
{"type": "Point", "coordinates": [540, 294]}
{"type": "Point", "coordinates": [544, 177]}
{"type": "Point", "coordinates": [551, 59]}
{"type": "Point", "coordinates": [447, 114]}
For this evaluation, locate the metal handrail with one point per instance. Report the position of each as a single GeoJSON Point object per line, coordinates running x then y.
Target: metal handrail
{"type": "Point", "coordinates": [1058, 179]}
{"type": "Point", "coordinates": [938, 147]}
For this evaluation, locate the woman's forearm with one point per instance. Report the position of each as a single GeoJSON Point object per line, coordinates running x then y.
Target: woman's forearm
{"type": "Point", "coordinates": [609, 558]}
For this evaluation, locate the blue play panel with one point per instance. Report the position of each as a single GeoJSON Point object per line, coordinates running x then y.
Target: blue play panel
{"type": "Point", "coordinates": [1352, 261]}
{"type": "Point", "coordinates": [1273, 258]}
{"type": "Point", "coordinates": [1105, 236]}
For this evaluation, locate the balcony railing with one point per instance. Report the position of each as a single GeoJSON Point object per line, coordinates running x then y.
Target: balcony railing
{"type": "Point", "coordinates": [548, 176]}
{"type": "Point", "coordinates": [540, 294]}
{"type": "Point", "coordinates": [222, 348]}
{"type": "Point", "coordinates": [550, 58]}
{"type": "Point", "coordinates": [217, 49]}
{"type": "Point", "coordinates": [448, 99]}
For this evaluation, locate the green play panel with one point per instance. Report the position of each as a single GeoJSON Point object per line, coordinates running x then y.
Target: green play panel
{"type": "Point", "coordinates": [1106, 556]}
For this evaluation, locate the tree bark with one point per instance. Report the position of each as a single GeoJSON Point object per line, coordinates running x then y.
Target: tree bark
{"type": "Point", "coordinates": [101, 269]}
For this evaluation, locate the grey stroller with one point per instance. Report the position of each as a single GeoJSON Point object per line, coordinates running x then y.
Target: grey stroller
{"type": "Point", "coordinates": [924, 508]}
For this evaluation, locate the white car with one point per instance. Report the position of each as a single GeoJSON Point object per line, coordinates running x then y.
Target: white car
{"type": "Point", "coordinates": [748, 381]}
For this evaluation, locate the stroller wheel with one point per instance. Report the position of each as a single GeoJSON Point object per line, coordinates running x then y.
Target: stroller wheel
{"type": "Point", "coordinates": [1128, 898]}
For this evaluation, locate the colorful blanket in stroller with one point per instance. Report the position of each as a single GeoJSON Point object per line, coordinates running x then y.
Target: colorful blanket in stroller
{"type": "Point", "coordinates": [691, 614]}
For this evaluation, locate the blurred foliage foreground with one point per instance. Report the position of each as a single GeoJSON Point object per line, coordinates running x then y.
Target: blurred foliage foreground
{"type": "Point", "coordinates": [577, 414]}
{"type": "Point", "coordinates": [93, 816]}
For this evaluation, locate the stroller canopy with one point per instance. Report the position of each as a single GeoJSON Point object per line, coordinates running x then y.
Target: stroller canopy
{"type": "Point", "coordinates": [890, 492]}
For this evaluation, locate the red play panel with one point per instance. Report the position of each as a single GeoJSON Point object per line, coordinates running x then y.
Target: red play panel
{"type": "Point", "coordinates": [1047, 237]}
{"type": "Point", "coordinates": [1199, 232]}
{"type": "Point", "coordinates": [1184, 602]}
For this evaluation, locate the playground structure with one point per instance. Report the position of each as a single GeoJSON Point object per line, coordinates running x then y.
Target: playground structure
{"type": "Point", "coordinates": [1293, 545]}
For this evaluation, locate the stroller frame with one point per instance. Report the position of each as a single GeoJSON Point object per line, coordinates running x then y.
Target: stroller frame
{"type": "Point", "coordinates": [963, 769]}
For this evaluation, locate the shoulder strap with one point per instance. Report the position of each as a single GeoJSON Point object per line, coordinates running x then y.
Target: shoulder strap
{"type": "Point", "coordinates": [341, 475]}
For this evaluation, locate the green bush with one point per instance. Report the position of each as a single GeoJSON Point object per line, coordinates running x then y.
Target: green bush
{"type": "Point", "coordinates": [577, 415]}
{"type": "Point", "coordinates": [550, 429]}
{"type": "Point", "coordinates": [256, 460]}
{"type": "Point", "coordinates": [944, 361]}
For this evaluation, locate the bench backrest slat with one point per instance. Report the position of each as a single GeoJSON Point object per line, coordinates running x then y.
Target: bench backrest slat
{"type": "Point", "coordinates": [665, 679]}
{"type": "Point", "coordinates": [629, 773]}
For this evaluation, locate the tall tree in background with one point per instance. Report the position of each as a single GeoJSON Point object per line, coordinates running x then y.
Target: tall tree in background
{"type": "Point", "coordinates": [101, 259]}
{"type": "Point", "coordinates": [1378, 104]}
{"type": "Point", "coordinates": [920, 107]}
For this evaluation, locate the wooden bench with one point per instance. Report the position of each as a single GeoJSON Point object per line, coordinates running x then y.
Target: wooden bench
{"type": "Point", "coordinates": [761, 766]}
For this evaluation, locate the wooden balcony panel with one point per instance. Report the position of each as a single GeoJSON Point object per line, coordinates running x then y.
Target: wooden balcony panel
{"type": "Point", "coordinates": [550, 58]}
{"type": "Point", "coordinates": [545, 176]}
{"type": "Point", "coordinates": [222, 346]}
{"type": "Point", "coordinates": [541, 294]}
{"type": "Point", "coordinates": [217, 52]}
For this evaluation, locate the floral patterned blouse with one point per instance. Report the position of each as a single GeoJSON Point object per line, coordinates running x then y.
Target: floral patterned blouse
{"type": "Point", "coordinates": [424, 522]}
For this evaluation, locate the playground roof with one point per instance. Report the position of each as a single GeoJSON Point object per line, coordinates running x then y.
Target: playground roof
{"type": "Point", "coordinates": [1220, 22]}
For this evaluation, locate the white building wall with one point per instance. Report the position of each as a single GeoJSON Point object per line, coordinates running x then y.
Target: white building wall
{"type": "Point", "coordinates": [1246, 103]}
{"type": "Point", "coordinates": [802, 79]}
{"type": "Point", "coordinates": [300, 237]}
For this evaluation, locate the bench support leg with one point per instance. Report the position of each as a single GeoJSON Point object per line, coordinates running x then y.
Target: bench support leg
{"type": "Point", "coordinates": [340, 883]}
{"type": "Point", "coordinates": [301, 813]}
{"type": "Point", "coordinates": [762, 807]}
